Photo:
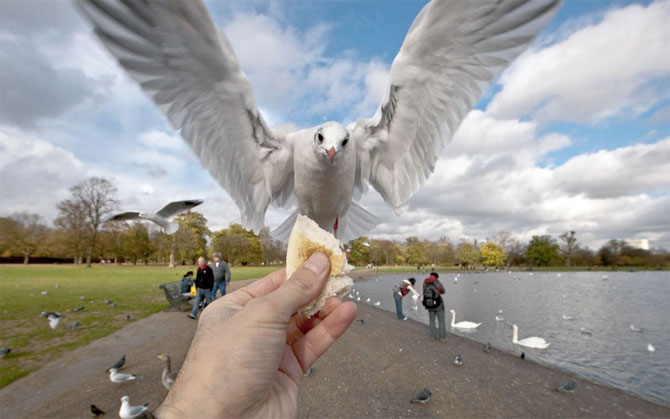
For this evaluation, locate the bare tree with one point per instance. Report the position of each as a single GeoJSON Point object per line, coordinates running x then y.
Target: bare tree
{"type": "Point", "coordinates": [26, 234]}
{"type": "Point", "coordinates": [72, 222]}
{"type": "Point", "coordinates": [96, 196]}
{"type": "Point", "coordinates": [569, 247]}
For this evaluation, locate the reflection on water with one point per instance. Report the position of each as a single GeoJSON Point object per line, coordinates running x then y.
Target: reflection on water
{"type": "Point", "coordinates": [599, 325]}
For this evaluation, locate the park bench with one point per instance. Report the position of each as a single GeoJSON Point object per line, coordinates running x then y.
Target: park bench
{"type": "Point", "coordinates": [173, 294]}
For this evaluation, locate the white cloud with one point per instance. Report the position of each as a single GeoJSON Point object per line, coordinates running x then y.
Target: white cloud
{"type": "Point", "coordinates": [615, 68]}
{"type": "Point", "coordinates": [619, 172]}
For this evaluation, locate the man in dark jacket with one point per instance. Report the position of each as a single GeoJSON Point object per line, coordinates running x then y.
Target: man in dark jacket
{"type": "Point", "coordinates": [433, 289]}
{"type": "Point", "coordinates": [221, 275]}
{"type": "Point", "coordinates": [204, 281]}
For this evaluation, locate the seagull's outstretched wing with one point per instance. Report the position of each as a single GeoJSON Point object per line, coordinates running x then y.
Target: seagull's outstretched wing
{"type": "Point", "coordinates": [174, 51]}
{"type": "Point", "coordinates": [131, 215]}
{"type": "Point", "coordinates": [174, 208]}
{"type": "Point", "coordinates": [450, 55]}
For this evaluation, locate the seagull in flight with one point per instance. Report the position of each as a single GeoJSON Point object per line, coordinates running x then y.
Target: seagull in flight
{"type": "Point", "coordinates": [450, 55]}
{"type": "Point", "coordinates": [161, 216]}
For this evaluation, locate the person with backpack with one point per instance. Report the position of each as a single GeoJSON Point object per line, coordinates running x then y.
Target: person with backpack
{"type": "Point", "coordinates": [401, 290]}
{"type": "Point", "coordinates": [432, 301]}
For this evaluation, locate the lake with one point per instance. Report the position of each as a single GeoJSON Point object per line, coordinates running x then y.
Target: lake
{"type": "Point", "coordinates": [596, 340]}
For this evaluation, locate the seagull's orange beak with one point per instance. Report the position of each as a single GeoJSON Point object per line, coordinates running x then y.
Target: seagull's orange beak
{"type": "Point", "coordinates": [331, 154]}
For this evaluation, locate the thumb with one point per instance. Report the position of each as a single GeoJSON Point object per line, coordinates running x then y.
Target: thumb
{"type": "Point", "coordinates": [301, 288]}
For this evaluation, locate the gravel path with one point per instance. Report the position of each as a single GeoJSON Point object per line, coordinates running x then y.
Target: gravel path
{"type": "Point", "coordinates": [372, 371]}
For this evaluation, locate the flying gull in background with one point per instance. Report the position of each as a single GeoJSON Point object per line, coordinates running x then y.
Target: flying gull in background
{"type": "Point", "coordinates": [130, 412]}
{"type": "Point", "coordinates": [422, 397]}
{"type": "Point", "coordinates": [161, 217]}
{"type": "Point", "coordinates": [119, 377]}
{"type": "Point", "coordinates": [450, 55]}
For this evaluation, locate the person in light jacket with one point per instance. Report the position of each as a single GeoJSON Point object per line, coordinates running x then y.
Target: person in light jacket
{"type": "Point", "coordinates": [400, 291]}
{"type": "Point", "coordinates": [221, 275]}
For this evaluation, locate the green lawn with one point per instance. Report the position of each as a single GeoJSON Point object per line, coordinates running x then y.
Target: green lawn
{"type": "Point", "coordinates": [134, 289]}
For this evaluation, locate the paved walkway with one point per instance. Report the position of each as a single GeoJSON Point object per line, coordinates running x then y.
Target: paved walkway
{"type": "Point", "coordinates": [372, 371]}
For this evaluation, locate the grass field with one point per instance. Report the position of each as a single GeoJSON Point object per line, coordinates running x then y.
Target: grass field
{"type": "Point", "coordinates": [134, 289]}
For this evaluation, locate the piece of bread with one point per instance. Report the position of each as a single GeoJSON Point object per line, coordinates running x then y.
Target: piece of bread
{"type": "Point", "coordinates": [308, 238]}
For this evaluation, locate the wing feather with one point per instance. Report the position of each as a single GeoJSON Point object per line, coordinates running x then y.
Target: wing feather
{"type": "Point", "coordinates": [452, 52]}
{"type": "Point", "coordinates": [176, 54]}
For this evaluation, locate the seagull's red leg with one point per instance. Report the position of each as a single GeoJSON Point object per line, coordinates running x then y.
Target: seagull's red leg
{"type": "Point", "coordinates": [335, 226]}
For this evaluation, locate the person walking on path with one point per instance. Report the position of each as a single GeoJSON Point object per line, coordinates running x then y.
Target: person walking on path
{"type": "Point", "coordinates": [221, 275]}
{"type": "Point", "coordinates": [433, 302]}
{"type": "Point", "coordinates": [401, 290]}
{"type": "Point", "coordinates": [204, 281]}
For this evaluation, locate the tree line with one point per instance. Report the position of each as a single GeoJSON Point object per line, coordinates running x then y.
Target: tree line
{"type": "Point", "coordinates": [81, 234]}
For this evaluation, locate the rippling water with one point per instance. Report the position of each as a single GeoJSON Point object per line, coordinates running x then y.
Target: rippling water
{"type": "Point", "coordinates": [604, 304]}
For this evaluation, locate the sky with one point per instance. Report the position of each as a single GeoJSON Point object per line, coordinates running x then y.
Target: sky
{"type": "Point", "coordinates": [574, 135]}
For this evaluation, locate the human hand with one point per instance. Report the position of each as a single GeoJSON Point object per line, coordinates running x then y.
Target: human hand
{"type": "Point", "coordinates": [250, 349]}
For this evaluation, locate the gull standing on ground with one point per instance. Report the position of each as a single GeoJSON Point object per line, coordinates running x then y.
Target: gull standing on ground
{"type": "Point", "coordinates": [130, 412]}
{"type": "Point", "coordinates": [450, 55]}
{"type": "Point", "coordinates": [161, 217]}
{"type": "Point", "coordinates": [119, 377]}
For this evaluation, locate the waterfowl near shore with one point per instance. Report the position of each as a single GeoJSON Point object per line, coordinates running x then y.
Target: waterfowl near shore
{"type": "Point", "coordinates": [531, 342]}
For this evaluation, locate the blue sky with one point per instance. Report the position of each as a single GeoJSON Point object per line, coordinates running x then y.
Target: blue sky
{"type": "Point", "coordinates": [574, 135]}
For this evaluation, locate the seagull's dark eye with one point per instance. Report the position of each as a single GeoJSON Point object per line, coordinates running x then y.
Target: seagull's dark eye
{"type": "Point", "coordinates": [319, 137]}
{"type": "Point", "coordinates": [346, 140]}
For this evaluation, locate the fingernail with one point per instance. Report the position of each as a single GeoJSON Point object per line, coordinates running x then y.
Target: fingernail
{"type": "Point", "coordinates": [317, 263]}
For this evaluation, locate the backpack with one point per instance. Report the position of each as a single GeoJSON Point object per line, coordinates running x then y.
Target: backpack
{"type": "Point", "coordinates": [431, 297]}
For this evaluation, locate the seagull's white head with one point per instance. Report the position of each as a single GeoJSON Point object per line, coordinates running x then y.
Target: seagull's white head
{"type": "Point", "coordinates": [330, 141]}
{"type": "Point", "coordinates": [125, 399]}
{"type": "Point", "coordinates": [112, 370]}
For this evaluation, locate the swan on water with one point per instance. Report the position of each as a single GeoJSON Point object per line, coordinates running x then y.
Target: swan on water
{"type": "Point", "coordinates": [463, 324]}
{"type": "Point", "coordinates": [634, 329]}
{"type": "Point", "coordinates": [566, 317]}
{"type": "Point", "coordinates": [499, 318]}
{"type": "Point", "coordinates": [531, 342]}
{"type": "Point", "coordinates": [650, 347]}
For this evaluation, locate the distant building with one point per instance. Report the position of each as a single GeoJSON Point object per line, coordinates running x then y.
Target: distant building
{"type": "Point", "coordinates": [639, 243]}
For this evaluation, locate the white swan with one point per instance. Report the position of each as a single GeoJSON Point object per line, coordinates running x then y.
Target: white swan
{"type": "Point", "coordinates": [463, 324]}
{"type": "Point", "coordinates": [532, 342]}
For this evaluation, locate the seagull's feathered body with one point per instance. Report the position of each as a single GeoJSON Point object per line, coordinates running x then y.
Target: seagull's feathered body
{"type": "Point", "coordinates": [119, 377]}
{"type": "Point", "coordinates": [162, 216]}
{"type": "Point", "coordinates": [452, 51]}
{"type": "Point", "coordinates": [130, 412]}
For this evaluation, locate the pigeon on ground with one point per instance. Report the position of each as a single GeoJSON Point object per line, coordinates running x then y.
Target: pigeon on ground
{"type": "Point", "coordinates": [487, 348]}
{"type": "Point", "coordinates": [127, 317]}
{"type": "Point", "coordinates": [523, 355]}
{"type": "Point", "coordinates": [309, 372]}
{"type": "Point", "coordinates": [567, 387]}
{"type": "Point", "coordinates": [96, 411]}
{"type": "Point", "coordinates": [120, 377]}
{"type": "Point", "coordinates": [120, 362]}
{"type": "Point", "coordinates": [78, 309]}
{"type": "Point", "coordinates": [73, 325]}
{"type": "Point", "coordinates": [4, 352]}
{"type": "Point", "coordinates": [458, 360]}
{"type": "Point", "coordinates": [440, 73]}
{"type": "Point", "coordinates": [161, 216]}
{"type": "Point", "coordinates": [422, 397]}
{"type": "Point", "coordinates": [106, 301]}
{"type": "Point", "coordinates": [360, 321]}
{"type": "Point", "coordinates": [131, 412]}
{"type": "Point", "coordinates": [82, 298]}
